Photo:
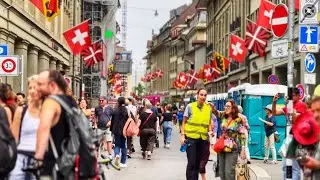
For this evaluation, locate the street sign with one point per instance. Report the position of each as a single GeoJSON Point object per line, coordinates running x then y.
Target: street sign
{"type": "Point", "coordinates": [3, 50]}
{"type": "Point", "coordinates": [309, 37]}
{"type": "Point", "coordinates": [310, 78]}
{"type": "Point", "coordinates": [301, 89]}
{"type": "Point", "coordinates": [9, 65]}
{"type": "Point", "coordinates": [279, 20]}
{"type": "Point", "coordinates": [310, 62]}
{"type": "Point", "coordinates": [273, 79]}
{"type": "Point", "coordinates": [308, 12]}
{"type": "Point", "coordinates": [279, 48]}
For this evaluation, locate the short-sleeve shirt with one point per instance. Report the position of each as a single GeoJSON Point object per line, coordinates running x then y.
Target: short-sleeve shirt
{"type": "Point", "coordinates": [270, 129]}
{"type": "Point", "coordinates": [104, 115]}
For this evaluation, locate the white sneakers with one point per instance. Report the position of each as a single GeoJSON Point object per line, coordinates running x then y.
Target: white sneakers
{"type": "Point", "coordinates": [167, 146]}
{"type": "Point", "coordinates": [123, 165]}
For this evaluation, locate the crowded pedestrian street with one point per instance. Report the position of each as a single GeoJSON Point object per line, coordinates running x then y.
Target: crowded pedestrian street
{"type": "Point", "coordinates": [159, 90]}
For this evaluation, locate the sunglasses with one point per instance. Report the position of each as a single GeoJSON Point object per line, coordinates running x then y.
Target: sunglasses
{"type": "Point", "coordinates": [101, 100]}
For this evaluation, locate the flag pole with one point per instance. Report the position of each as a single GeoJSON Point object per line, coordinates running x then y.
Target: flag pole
{"type": "Point", "coordinates": [290, 67]}
{"type": "Point", "coordinates": [256, 24]}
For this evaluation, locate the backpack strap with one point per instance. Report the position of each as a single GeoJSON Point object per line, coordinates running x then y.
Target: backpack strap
{"type": "Point", "coordinates": [64, 105]}
{"type": "Point", "coordinates": [24, 110]}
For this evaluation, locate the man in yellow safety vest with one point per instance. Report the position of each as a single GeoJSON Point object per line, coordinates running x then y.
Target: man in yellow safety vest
{"type": "Point", "coordinates": [195, 131]}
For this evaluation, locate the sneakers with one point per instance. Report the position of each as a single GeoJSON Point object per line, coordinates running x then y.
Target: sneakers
{"type": "Point", "coordinates": [266, 161]}
{"type": "Point", "coordinates": [274, 162]}
{"type": "Point", "coordinates": [123, 165]}
{"type": "Point", "coordinates": [167, 146]}
{"type": "Point", "coordinates": [129, 156]}
{"type": "Point", "coordinates": [143, 154]}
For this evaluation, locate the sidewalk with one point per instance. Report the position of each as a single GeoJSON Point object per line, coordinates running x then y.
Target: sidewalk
{"type": "Point", "coordinates": [273, 170]}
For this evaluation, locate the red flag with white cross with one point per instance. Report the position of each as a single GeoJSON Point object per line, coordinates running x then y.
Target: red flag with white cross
{"type": "Point", "coordinates": [237, 50]}
{"type": "Point", "coordinates": [193, 76]}
{"type": "Point", "coordinates": [265, 13]}
{"type": "Point", "coordinates": [207, 72]}
{"type": "Point", "coordinates": [159, 73]}
{"type": "Point", "coordinates": [256, 38]}
{"type": "Point", "coordinates": [183, 78]}
{"type": "Point", "coordinates": [93, 54]}
{"type": "Point", "coordinates": [78, 37]}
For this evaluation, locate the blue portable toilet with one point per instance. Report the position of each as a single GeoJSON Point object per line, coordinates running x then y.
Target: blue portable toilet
{"type": "Point", "coordinates": [236, 93]}
{"type": "Point", "coordinates": [255, 98]}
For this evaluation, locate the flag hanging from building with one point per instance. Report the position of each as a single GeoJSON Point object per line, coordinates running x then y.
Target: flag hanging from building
{"type": "Point", "coordinates": [256, 38]}
{"type": "Point", "coordinates": [207, 76]}
{"type": "Point", "coordinates": [237, 49]}
{"type": "Point", "coordinates": [265, 13]}
{"type": "Point", "coordinates": [220, 62]}
{"type": "Point", "coordinates": [49, 8]}
{"type": "Point", "coordinates": [78, 37]}
{"type": "Point", "coordinates": [159, 73]}
{"type": "Point", "coordinates": [193, 76]}
{"type": "Point", "coordinates": [93, 54]}
{"type": "Point", "coordinates": [183, 78]}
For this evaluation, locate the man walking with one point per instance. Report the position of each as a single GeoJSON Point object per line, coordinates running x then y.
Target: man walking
{"type": "Point", "coordinates": [53, 120]}
{"type": "Point", "coordinates": [196, 127]}
{"type": "Point", "coordinates": [103, 114]}
{"type": "Point", "coordinates": [133, 109]}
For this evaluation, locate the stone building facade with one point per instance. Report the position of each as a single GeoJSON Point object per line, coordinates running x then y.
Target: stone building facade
{"type": "Point", "coordinates": [41, 43]}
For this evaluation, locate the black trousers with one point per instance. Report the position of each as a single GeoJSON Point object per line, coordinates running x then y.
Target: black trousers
{"type": "Point", "coordinates": [197, 152]}
{"type": "Point", "coordinates": [147, 139]}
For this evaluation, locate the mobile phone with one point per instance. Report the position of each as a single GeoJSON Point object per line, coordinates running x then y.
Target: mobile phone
{"type": "Point", "coordinates": [281, 95]}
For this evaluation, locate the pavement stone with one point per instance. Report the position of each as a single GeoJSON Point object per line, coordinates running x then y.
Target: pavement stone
{"type": "Point", "coordinates": [170, 164]}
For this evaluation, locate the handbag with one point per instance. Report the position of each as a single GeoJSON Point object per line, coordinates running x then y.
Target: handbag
{"type": "Point", "coordinates": [242, 171]}
{"type": "Point", "coordinates": [219, 145]}
{"type": "Point", "coordinates": [130, 128]}
{"type": "Point", "coordinates": [144, 124]}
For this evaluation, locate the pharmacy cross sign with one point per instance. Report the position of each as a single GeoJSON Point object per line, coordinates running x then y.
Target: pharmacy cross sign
{"type": "Point", "coordinates": [279, 20]}
{"type": "Point", "coordinates": [236, 49]}
{"type": "Point", "coordinates": [80, 37]}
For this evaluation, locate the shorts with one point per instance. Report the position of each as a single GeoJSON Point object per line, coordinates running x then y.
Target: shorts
{"type": "Point", "coordinates": [107, 134]}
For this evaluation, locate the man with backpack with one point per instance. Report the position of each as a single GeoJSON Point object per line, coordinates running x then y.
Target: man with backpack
{"type": "Point", "coordinates": [58, 118]}
{"type": "Point", "coordinates": [103, 114]}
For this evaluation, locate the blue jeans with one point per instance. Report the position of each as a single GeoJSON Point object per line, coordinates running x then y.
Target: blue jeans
{"type": "Point", "coordinates": [120, 144]}
{"type": "Point", "coordinates": [167, 130]}
{"type": "Point", "coordinates": [296, 171]}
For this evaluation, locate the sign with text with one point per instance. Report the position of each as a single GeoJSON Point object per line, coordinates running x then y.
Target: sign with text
{"type": "Point", "coordinates": [9, 65]}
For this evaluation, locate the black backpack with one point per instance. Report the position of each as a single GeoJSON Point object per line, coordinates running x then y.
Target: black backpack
{"type": "Point", "coordinates": [78, 158]}
{"type": "Point", "coordinates": [8, 146]}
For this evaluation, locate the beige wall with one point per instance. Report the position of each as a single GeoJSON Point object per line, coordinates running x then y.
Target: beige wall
{"type": "Point", "coordinates": [28, 33]}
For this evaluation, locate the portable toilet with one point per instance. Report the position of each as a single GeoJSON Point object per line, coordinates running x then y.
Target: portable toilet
{"type": "Point", "coordinates": [256, 97]}
{"type": "Point", "coordinates": [236, 93]}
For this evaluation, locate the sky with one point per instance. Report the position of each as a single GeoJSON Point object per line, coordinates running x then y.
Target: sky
{"type": "Point", "coordinates": [140, 22]}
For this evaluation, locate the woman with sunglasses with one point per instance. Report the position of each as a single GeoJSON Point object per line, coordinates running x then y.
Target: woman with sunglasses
{"type": "Point", "coordinates": [234, 140]}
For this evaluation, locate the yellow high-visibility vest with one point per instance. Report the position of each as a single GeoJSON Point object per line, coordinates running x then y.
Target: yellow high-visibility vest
{"type": "Point", "coordinates": [198, 126]}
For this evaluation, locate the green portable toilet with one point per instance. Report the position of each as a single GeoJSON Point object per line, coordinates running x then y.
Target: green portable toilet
{"type": "Point", "coordinates": [255, 98]}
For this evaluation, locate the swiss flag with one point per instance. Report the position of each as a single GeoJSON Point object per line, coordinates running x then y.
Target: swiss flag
{"type": "Point", "coordinates": [265, 13]}
{"type": "Point", "coordinates": [183, 78]}
{"type": "Point", "coordinates": [207, 72]}
{"type": "Point", "coordinates": [93, 54]}
{"type": "Point", "coordinates": [193, 76]}
{"type": "Point", "coordinates": [237, 49]}
{"type": "Point", "coordinates": [256, 38]}
{"type": "Point", "coordinates": [78, 37]}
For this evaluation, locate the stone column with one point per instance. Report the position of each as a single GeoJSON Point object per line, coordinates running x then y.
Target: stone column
{"type": "Point", "coordinates": [33, 61]}
{"type": "Point", "coordinates": [52, 63]}
{"type": "Point", "coordinates": [21, 50]}
{"type": "Point", "coordinates": [59, 66]}
{"type": "Point", "coordinates": [43, 61]}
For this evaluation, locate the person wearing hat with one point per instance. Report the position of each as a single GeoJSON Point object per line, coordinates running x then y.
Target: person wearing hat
{"type": "Point", "coordinates": [306, 130]}
{"type": "Point", "coordinates": [270, 130]}
{"type": "Point", "coordinates": [299, 108]}
{"type": "Point", "coordinates": [103, 114]}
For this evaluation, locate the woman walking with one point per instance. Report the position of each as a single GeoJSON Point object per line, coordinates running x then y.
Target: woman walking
{"type": "Point", "coordinates": [148, 130]}
{"type": "Point", "coordinates": [166, 121]}
{"type": "Point", "coordinates": [25, 125]}
{"type": "Point", "coordinates": [234, 140]}
{"type": "Point", "coordinates": [119, 118]}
